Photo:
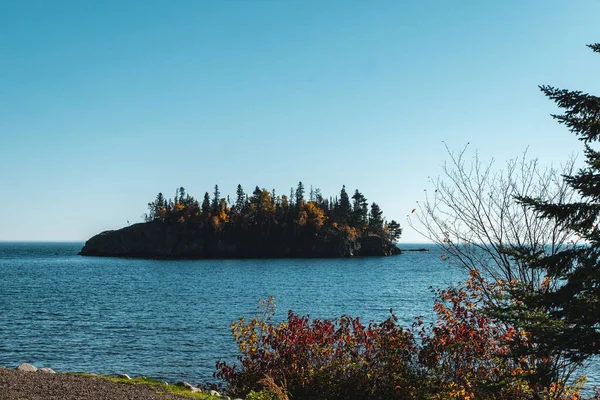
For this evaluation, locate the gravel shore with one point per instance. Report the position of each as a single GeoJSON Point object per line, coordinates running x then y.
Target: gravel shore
{"type": "Point", "coordinates": [19, 385]}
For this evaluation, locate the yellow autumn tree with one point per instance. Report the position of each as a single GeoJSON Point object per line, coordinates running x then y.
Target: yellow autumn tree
{"type": "Point", "coordinates": [224, 211]}
{"type": "Point", "coordinates": [315, 215]}
{"type": "Point", "coordinates": [222, 216]}
{"type": "Point", "coordinates": [348, 232]}
{"type": "Point", "coordinates": [262, 206]}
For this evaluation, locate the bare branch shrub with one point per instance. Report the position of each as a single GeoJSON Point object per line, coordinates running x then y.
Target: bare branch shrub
{"type": "Point", "coordinates": [472, 213]}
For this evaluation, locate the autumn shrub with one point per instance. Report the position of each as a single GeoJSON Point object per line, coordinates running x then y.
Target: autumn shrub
{"type": "Point", "coordinates": [463, 354]}
{"type": "Point", "coordinates": [317, 358]}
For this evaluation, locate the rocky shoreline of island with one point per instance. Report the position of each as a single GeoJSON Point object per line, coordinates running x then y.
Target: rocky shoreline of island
{"type": "Point", "coordinates": [159, 240]}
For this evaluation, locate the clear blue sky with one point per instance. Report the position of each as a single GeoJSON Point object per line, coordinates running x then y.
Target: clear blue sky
{"type": "Point", "coordinates": [105, 103]}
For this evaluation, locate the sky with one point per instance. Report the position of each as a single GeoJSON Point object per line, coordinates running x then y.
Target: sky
{"type": "Point", "coordinates": [103, 104]}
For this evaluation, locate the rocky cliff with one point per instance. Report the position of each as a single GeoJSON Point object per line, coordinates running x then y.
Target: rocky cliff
{"type": "Point", "coordinates": [182, 241]}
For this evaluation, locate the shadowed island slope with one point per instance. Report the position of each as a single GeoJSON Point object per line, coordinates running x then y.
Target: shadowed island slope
{"type": "Point", "coordinates": [260, 225]}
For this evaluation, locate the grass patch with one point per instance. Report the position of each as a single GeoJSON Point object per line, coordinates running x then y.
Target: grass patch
{"type": "Point", "coordinates": [159, 387]}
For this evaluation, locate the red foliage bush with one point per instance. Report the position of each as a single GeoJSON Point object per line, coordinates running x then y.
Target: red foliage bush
{"type": "Point", "coordinates": [463, 355]}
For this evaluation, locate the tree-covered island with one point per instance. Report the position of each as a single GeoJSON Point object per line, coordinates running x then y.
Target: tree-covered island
{"type": "Point", "coordinates": [260, 225]}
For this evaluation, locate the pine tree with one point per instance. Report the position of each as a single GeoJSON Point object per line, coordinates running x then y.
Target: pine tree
{"type": "Point", "coordinates": [206, 204]}
{"type": "Point", "coordinates": [182, 195]}
{"type": "Point", "coordinates": [344, 205]}
{"type": "Point", "coordinates": [395, 230]}
{"type": "Point", "coordinates": [216, 201]}
{"type": "Point", "coordinates": [160, 207]}
{"type": "Point", "coordinates": [155, 209]}
{"type": "Point", "coordinates": [299, 195]}
{"type": "Point", "coordinates": [359, 210]}
{"type": "Point", "coordinates": [240, 201]}
{"type": "Point", "coordinates": [375, 218]}
{"type": "Point", "coordinates": [285, 202]}
{"type": "Point", "coordinates": [318, 196]}
{"type": "Point", "coordinates": [563, 318]}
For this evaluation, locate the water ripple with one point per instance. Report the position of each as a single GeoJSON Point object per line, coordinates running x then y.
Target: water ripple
{"type": "Point", "coordinates": [170, 319]}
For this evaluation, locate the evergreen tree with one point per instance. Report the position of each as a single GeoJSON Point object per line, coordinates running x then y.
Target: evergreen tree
{"type": "Point", "coordinates": [195, 207]}
{"type": "Point", "coordinates": [325, 205]}
{"type": "Point", "coordinates": [182, 195]}
{"type": "Point", "coordinates": [395, 230]}
{"type": "Point", "coordinates": [285, 203]}
{"type": "Point", "coordinates": [318, 196]}
{"type": "Point", "coordinates": [160, 200]}
{"type": "Point", "coordinates": [375, 219]}
{"type": "Point", "coordinates": [299, 195]}
{"type": "Point", "coordinates": [240, 201]}
{"type": "Point", "coordinates": [563, 319]}
{"type": "Point", "coordinates": [151, 214]}
{"type": "Point", "coordinates": [216, 200]}
{"type": "Point", "coordinates": [160, 207]}
{"type": "Point", "coordinates": [155, 209]}
{"type": "Point", "coordinates": [255, 206]}
{"type": "Point", "coordinates": [359, 209]}
{"type": "Point", "coordinates": [206, 204]}
{"type": "Point", "coordinates": [356, 200]}
{"type": "Point", "coordinates": [344, 205]}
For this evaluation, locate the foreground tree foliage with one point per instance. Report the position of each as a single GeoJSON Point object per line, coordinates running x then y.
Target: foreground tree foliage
{"type": "Point", "coordinates": [563, 320]}
{"type": "Point", "coordinates": [463, 355]}
{"type": "Point", "coordinates": [266, 214]}
{"type": "Point", "coordinates": [529, 227]}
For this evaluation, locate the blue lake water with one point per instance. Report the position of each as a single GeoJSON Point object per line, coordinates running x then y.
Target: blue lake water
{"type": "Point", "coordinates": [171, 319]}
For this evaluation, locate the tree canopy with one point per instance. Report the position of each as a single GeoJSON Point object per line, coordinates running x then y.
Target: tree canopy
{"type": "Point", "coordinates": [267, 212]}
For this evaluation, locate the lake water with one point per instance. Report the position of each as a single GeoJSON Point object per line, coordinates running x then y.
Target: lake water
{"type": "Point", "coordinates": [171, 319]}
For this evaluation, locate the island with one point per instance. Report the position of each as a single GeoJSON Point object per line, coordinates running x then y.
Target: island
{"type": "Point", "coordinates": [260, 225]}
